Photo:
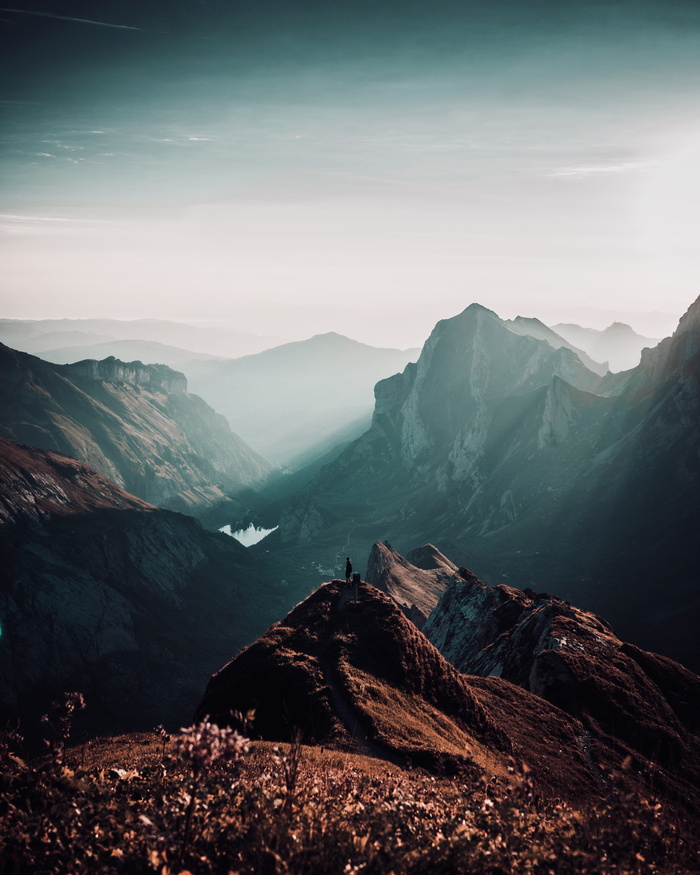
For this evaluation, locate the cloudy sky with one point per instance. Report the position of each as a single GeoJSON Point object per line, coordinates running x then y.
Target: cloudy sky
{"type": "Point", "coordinates": [366, 166]}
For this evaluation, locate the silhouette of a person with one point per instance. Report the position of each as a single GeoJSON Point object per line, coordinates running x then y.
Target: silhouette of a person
{"type": "Point", "coordinates": [348, 570]}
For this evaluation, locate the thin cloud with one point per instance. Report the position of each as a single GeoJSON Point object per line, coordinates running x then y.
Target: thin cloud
{"type": "Point", "coordinates": [32, 219]}
{"type": "Point", "coordinates": [69, 18]}
{"type": "Point", "coordinates": [593, 169]}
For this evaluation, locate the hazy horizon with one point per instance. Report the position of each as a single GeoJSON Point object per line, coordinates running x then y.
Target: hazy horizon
{"type": "Point", "coordinates": [293, 168]}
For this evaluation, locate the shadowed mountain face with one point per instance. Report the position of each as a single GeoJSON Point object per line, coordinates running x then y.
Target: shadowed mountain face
{"type": "Point", "coordinates": [103, 593]}
{"type": "Point", "coordinates": [135, 423]}
{"type": "Point", "coordinates": [573, 659]}
{"type": "Point", "coordinates": [360, 676]}
{"type": "Point", "coordinates": [287, 400]}
{"type": "Point", "coordinates": [504, 453]}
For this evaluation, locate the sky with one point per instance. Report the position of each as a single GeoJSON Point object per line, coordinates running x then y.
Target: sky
{"type": "Point", "coordinates": [363, 167]}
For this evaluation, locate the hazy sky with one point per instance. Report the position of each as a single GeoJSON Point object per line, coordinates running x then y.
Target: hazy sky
{"type": "Point", "coordinates": [364, 167]}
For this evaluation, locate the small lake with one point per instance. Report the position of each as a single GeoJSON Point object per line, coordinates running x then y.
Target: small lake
{"type": "Point", "coordinates": [248, 536]}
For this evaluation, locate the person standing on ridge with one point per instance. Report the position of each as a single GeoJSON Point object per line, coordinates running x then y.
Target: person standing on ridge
{"type": "Point", "coordinates": [348, 570]}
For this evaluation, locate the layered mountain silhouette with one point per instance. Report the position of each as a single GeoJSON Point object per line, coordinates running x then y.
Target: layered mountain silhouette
{"type": "Point", "coordinates": [137, 424]}
{"type": "Point", "coordinates": [535, 328]}
{"type": "Point", "coordinates": [103, 593]}
{"type": "Point", "coordinates": [358, 675]}
{"type": "Point", "coordinates": [40, 335]}
{"type": "Point", "coordinates": [618, 344]}
{"type": "Point", "coordinates": [127, 351]}
{"type": "Point", "coordinates": [298, 400]}
{"type": "Point", "coordinates": [515, 459]}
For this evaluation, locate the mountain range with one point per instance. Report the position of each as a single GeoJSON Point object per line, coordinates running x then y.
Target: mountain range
{"type": "Point", "coordinates": [137, 424]}
{"type": "Point", "coordinates": [618, 344]}
{"type": "Point", "coordinates": [40, 335]}
{"type": "Point", "coordinates": [518, 461]}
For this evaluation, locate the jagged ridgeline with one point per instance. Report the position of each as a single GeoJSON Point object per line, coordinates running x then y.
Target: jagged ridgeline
{"type": "Point", "coordinates": [517, 460]}
{"type": "Point", "coordinates": [549, 686]}
{"type": "Point", "coordinates": [134, 423]}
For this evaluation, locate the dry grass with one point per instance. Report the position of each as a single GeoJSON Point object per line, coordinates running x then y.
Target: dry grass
{"type": "Point", "coordinates": [130, 804]}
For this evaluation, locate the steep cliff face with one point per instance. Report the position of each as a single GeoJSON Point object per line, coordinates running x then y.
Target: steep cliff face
{"type": "Point", "coordinates": [134, 423]}
{"type": "Point", "coordinates": [103, 593]}
{"type": "Point", "coordinates": [527, 464]}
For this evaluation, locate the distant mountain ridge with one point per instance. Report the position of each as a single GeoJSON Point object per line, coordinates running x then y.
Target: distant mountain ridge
{"type": "Point", "coordinates": [135, 423]}
{"type": "Point", "coordinates": [38, 335]}
{"type": "Point", "coordinates": [290, 399]}
{"type": "Point", "coordinates": [618, 344]}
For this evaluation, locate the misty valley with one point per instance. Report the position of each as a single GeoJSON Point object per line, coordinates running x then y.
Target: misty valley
{"type": "Point", "coordinates": [515, 638]}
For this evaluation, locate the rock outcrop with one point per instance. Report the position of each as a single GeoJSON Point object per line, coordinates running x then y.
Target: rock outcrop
{"type": "Point", "coordinates": [103, 593]}
{"type": "Point", "coordinates": [573, 659]}
{"type": "Point", "coordinates": [416, 588]}
{"type": "Point", "coordinates": [135, 423]}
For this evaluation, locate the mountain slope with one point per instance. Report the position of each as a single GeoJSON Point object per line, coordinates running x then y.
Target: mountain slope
{"type": "Point", "coordinates": [286, 400]}
{"type": "Point", "coordinates": [103, 593]}
{"type": "Point", "coordinates": [360, 676]}
{"type": "Point", "coordinates": [534, 328]}
{"type": "Point", "coordinates": [135, 423]}
{"type": "Point", "coordinates": [573, 659]}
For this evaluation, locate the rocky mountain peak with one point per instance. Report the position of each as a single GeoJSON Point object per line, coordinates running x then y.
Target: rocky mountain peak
{"type": "Point", "coordinates": [415, 589]}
{"type": "Point", "coordinates": [658, 362]}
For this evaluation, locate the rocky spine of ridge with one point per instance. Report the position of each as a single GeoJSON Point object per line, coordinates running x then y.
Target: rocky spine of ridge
{"type": "Point", "coordinates": [573, 659]}
{"type": "Point", "coordinates": [136, 424]}
{"type": "Point", "coordinates": [415, 583]}
{"type": "Point", "coordinates": [105, 594]}
{"type": "Point", "coordinates": [359, 676]}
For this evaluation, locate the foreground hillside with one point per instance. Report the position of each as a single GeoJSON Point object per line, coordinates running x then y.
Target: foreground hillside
{"type": "Point", "coordinates": [137, 804]}
{"type": "Point", "coordinates": [101, 592]}
{"type": "Point", "coordinates": [134, 423]}
{"type": "Point", "coordinates": [358, 675]}
{"type": "Point", "coordinates": [395, 762]}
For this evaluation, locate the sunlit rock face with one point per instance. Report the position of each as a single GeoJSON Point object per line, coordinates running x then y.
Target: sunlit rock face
{"type": "Point", "coordinates": [416, 588]}
{"type": "Point", "coordinates": [532, 467]}
{"type": "Point", "coordinates": [105, 594]}
{"type": "Point", "coordinates": [135, 423]}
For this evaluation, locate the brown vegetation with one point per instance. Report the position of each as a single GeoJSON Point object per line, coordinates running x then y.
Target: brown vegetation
{"type": "Point", "coordinates": [134, 804]}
